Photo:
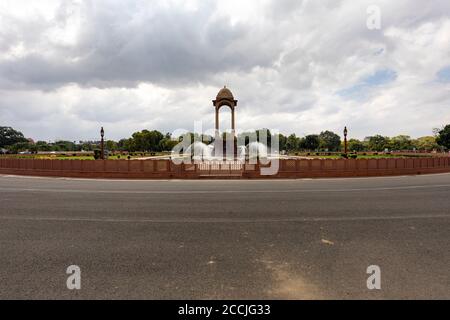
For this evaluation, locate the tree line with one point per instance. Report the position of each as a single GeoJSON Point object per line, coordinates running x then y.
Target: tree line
{"type": "Point", "coordinates": [14, 141]}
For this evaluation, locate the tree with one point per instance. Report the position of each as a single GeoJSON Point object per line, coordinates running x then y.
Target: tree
{"type": "Point", "coordinates": [330, 141]}
{"type": "Point", "coordinates": [443, 137]}
{"type": "Point", "coordinates": [19, 147]}
{"type": "Point", "coordinates": [146, 141]}
{"type": "Point", "coordinates": [111, 145]}
{"type": "Point", "coordinates": [377, 143]}
{"type": "Point", "coordinates": [401, 142]}
{"type": "Point", "coordinates": [282, 142]}
{"type": "Point", "coordinates": [124, 144]}
{"type": "Point", "coordinates": [292, 143]}
{"type": "Point", "coordinates": [65, 146]}
{"type": "Point", "coordinates": [167, 144]}
{"type": "Point", "coordinates": [311, 142]}
{"type": "Point", "coordinates": [9, 136]}
{"type": "Point", "coordinates": [355, 145]}
{"type": "Point", "coordinates": [43, 146]}
{"type": "Point", "coordinates": [88, 146]}
{"type": "Point", "coordinates": [425, 143]}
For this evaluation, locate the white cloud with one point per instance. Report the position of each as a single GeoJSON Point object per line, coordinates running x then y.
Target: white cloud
{"type": "Point", "coordinates": [68, 67]}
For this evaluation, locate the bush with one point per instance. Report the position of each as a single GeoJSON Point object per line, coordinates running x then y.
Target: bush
{"type": "Point", "coordinates": [353, 156]}
{"type": "Point", "coordinates": [97, 154]}
{"type": "Point", "coordinates": [344, 155]}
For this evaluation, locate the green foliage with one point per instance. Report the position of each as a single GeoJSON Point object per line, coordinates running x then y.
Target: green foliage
{"type": "Point", "coordinates": [145, 141]}
{"type": "Point", "coordinates": [20, 147]}
{"type": "Point", "coordinates": [154, 141]}
{"type": "Point", "coordinates": [311, 142]}
{"type": "Point", "coordinates": [330, 141]}
{"type": "Point", "coordinates": [355, 145]}
{"type": "Point", "coordinates": [9, 137]}
{"type": "Point", "coordinates": [97, 154]}
{"type": "Point", "coordinates": [426, 143]}
{"type": "Point", "coordinates": [401, 142]}
{"type": "Point", "coordinates": [111, 145]}
{"type": "Point", "coordinates": [282, 141]}
{"type": "Point", "coordinates": [43, 146]}
{"type": "Point", "coordinates": [65, 146]}
{"type": "Point", "coordinates": [167, 144]}
{"type": "Point", "coordinates": [443, 137]}
{"type": "Point", "coordinates": [292, 143]}
{"type": "Point", "coordinates": [377, 143]}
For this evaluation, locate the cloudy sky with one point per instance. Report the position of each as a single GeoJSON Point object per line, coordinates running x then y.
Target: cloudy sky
{"type": "Point", "coordinates": [69, 67]}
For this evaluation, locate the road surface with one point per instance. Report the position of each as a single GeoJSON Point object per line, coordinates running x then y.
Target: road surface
{"type": "Point", "coordinates": [297, 239]}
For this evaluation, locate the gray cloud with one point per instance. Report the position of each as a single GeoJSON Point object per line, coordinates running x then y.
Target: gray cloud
{"type": "Point", "coordinates": [123, 44]}
{"type": "Point", "coordinates": [67, 67]}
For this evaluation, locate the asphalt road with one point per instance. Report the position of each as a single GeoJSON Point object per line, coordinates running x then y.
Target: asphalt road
{"type": "Point", "coordinates": [302, 239]}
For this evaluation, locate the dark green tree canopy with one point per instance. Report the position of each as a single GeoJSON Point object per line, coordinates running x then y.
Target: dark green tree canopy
{"type": "Point", "coordinates": [355, 145]}
{"type": "Point", "coordinates": [377, 143]}
{"type": "Point", "coordinates": [330, 141]}
{"type": "Point", "coordinates": [9, 136]}
{"type": "Point", "coordinates": [310, 142]}
{"type": "Point", "coordinates": [292, 143]}
{"type": "Point", "coordinates": [401, 142]}
{"type": "Point", "coordinates": [146, 141]}
{"type": "Point", "coordinates": [155, 141]}
{"type": "Point", "coordinates": [443, 137]}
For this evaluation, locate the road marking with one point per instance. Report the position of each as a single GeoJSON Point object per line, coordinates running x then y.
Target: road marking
{"type": "Point", "coordinates": [325, 241]}
{"type": "Point", "coordinates": [219, 191]}
{"type": "Point", "coordinates": [228, 220]}
{"type": "Point", "coordinates": [222, 181]}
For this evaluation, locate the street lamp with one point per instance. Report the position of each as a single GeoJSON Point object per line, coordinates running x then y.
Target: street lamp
{"type": "Point", "coordinates": [345, 140]}
{"type": "Point", "coordinates": [102, 144]}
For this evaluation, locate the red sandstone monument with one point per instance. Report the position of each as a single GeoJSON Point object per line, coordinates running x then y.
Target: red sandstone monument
{"type": "Point", "coordinates": [225, 98]}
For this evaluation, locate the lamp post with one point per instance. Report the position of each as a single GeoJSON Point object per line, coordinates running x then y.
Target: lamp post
{"type": "Point", "coordinates": [102, 144]}
{"type": "Point", "coordinates": [345, 141]}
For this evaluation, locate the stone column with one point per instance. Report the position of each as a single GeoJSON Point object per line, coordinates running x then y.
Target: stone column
{"type": "Point", "coordinates": [217, 118]}
{"type": "Point", "coordinates": [233, 130]}
{"type": "Point", "coordinates": [233, 124]}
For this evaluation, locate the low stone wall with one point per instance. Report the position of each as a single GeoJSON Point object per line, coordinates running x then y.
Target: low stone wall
{"type": "Point", "coordinates": [166, 169]}
{"type": "Point", "coordinates": [327, 168]}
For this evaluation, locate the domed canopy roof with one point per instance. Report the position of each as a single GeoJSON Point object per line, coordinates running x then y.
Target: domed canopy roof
{"type": "Point", "coordinates": [225, 93]}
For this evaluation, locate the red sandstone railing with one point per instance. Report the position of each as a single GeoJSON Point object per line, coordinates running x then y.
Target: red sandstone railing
{"type": "Point", "coordinates": [166, 169]}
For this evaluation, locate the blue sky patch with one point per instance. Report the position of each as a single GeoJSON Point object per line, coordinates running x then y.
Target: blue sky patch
{"type": "Point", "coordinates": [444, 74]}
{"type": "Point", "coordinates": [359, 90]}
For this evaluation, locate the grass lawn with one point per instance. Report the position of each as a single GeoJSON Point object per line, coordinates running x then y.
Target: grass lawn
{"type": "Point", "coordinates": [66, 157]}
{"type": "Point", "coordinates": [361, 156]}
